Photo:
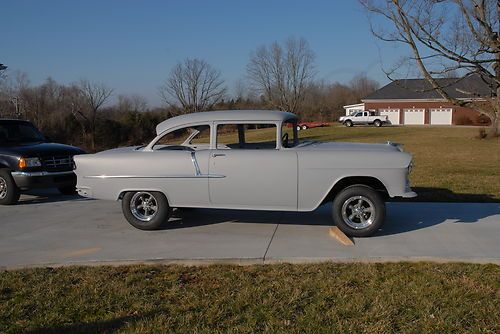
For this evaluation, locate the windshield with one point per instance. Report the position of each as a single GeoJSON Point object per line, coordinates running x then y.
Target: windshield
{"type": "Point", "coordinates": [12, 132]}
{"type": "Point", "coordinates": [191, 137]}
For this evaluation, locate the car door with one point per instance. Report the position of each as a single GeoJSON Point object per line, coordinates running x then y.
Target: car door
{"type": "Point", "coordinates": [358, 117]}
{"type": "Point", "coordinates": [178, 165]}
{"type": "Point", "coordinates": [366, 117]}
{"type": "Point", "coordinates": [253, 174]}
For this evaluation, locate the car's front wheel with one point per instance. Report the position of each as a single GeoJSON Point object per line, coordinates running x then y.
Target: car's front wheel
{"type": "Point", "coordinates": [145, 210]}
{"type": "Point", "coordinates": [348, 123]}
{"type": "Point", "coordinates": [9, 193]}
{"type": "Point", "coordinates": [359, 211]}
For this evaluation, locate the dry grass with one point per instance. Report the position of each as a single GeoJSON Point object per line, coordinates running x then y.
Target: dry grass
{"type": "Point", "coordinates": [343, 298]}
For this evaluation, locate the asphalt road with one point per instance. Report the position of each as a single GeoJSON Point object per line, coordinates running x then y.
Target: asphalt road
{"type": "Point", "coordinates": [48, 229]}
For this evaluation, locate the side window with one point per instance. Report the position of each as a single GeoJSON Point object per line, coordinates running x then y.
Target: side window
{"type": "Point", "coordinates": [289, 134]}
{"type": "Point", "coordinates": [188, 138]}
{"type": "Point", "coordinates": [246, 136]}
{"type": "Point", "coordinates": [359, 114]}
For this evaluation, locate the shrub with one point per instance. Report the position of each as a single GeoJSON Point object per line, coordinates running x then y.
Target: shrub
{"type": "Point", "coordinates": [482, 133]}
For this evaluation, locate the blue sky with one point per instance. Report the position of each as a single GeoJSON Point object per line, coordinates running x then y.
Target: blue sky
{"type": "Point", "coordinates": [132, 45]}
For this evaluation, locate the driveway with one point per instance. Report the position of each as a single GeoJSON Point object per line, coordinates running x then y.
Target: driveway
{"type": "Point", "coordinates": [48, 229]}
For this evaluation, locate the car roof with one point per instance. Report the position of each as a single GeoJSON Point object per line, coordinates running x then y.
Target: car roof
{"type": "Point", "coordinates": [225, 115]}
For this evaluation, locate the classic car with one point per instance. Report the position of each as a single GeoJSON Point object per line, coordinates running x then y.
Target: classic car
{"type": "Point", "coordinates": [364, 117]}
{"type": "Point", "coordinates": [29, 160]}
{"type": "Point", "coordinates": [246, 159]}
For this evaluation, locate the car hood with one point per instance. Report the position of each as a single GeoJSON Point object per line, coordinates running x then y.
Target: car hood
{"type": "Point", "coordinates": [344, 146]}
{"type": "Point", "coordinates": [120, 150]}
{"type": "Point", "coordinates": [40, 149]}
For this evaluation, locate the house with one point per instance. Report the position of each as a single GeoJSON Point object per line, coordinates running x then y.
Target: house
{"type": "Point", "coordinates": [413, 101]}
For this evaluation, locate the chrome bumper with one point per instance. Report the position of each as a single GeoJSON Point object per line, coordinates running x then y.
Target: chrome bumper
{"type": "Point", "coordinates": [43, 179]}
{"type": "Point", "coordinates": [35, 174]}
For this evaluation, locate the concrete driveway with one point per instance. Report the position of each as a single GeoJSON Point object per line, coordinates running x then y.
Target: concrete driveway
{"type": "Point", "coordinates": [48, 229]}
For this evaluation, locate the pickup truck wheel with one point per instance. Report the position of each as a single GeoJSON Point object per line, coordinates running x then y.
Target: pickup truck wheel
{"type": "Point", "coordinates": [358, 211]}
{"type": "Point", "coordinates": [377, 123]}
{"type": "Point", "coordinates": [304, 127]}
{"type": "Point", "coordinates": [145, 210]}
{"type": "Point", "coordinates": [348, 123]}
{"type": "Point", "coordinates": [9, 193]}
{"type": "Point", "coordinates": [298, 128]}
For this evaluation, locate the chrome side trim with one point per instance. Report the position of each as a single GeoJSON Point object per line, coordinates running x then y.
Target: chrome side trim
{"type": "Point", "coordinates": [206, 176]}
{"type": "Point", "coordinates": [197, 174]}
{"type": "Point", "coordinates": [40, 173]}
{"type": "Point", "coordinates": [195, 164]}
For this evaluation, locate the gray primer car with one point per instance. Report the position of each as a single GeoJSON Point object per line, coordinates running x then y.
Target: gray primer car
{"type": "Point", "coordinates": [289, 175]}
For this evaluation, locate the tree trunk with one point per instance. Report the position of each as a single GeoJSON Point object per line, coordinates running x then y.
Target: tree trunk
{"type": "Point", "coordinates": [495, 127]}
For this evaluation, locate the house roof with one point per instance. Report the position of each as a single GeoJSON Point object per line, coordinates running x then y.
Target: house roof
{"type": "Point", "coordinates": [421, 89]}
{"type": "Point", "coordinates": [354, 105]}
{"type": "Point", "coordinates": [225, 115]}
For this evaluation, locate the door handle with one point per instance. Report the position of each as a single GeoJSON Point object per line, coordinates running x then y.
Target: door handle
{"type": "Point", "coordinates": [218, 155]}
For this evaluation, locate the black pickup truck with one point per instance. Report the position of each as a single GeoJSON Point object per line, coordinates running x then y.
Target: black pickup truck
{"type": "Point", "coordinates": [28, 160]}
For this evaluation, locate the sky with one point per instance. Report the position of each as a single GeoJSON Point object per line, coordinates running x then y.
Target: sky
{"type": "Point", "coordinates": [131, 46]}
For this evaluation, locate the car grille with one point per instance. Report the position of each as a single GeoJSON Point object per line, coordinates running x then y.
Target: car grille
{"type": "Point", "coordinates": [60, 162]}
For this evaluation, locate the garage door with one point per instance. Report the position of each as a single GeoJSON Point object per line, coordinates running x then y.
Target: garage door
{"type": "Point", "coordinates": [392, 115]}
{"type": "Point", "coordinates": [413, 116]}
{"type": "Point", "coordinates": [441, 116]}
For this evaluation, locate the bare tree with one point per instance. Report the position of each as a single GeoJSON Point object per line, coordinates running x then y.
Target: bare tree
{"type": "Point", "coordinates": [361, 86]}
{"type": "Point", "coordinates": [445, 36]}
{"type": "Point", "coordinates": [240, 89]}
{"type": "Point", "coordinates": [3, 68]}
{"type": "Point", "coordinates": [95, 96]}
{"type": "Point", "coordinates": [134, 102]}
{"type": "Point", "coordinates": [12, 89]}
{"type": "Point", "coordinates": [194, 85]}
{"type": "Point", "coordinates": [282, 73]}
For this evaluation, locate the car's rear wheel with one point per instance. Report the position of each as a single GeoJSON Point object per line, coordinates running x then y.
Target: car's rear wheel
{"type": "Point", "coordinates": [298, 128]}
{"type": "Point", "coordinates": [9, 193]}
{"type": "Point", "coordinates": [359, 211]}
{"type": "Point", "coordinates": [377, 123]}
{"type": "Point", "coordinates": [348, 123]}
{"type": "Point", "coordinates": [304, 127]}
{"type": "Point", "coordinates": [145, 210]}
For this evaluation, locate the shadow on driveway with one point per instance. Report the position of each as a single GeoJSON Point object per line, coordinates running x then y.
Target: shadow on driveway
{"type": "Point", "coordinates": [39, 196]}
{"type": "Point", "coordinates": [407, 217]}
{"type": "Point", "coordinates": [400, 217]}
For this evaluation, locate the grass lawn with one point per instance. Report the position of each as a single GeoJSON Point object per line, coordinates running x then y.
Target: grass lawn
{"type": "Point", "coordinates": [450, 163]}
{"type": "Point", "coordinates": [371, 298]}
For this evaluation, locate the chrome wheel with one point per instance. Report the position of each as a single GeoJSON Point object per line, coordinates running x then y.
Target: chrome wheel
{"type": "Point", "coordinates": [358, 212]}
{"type": "Point", "coordinates": [143, 206]}
{"type": "Point", "coordinates": [3, 188]}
